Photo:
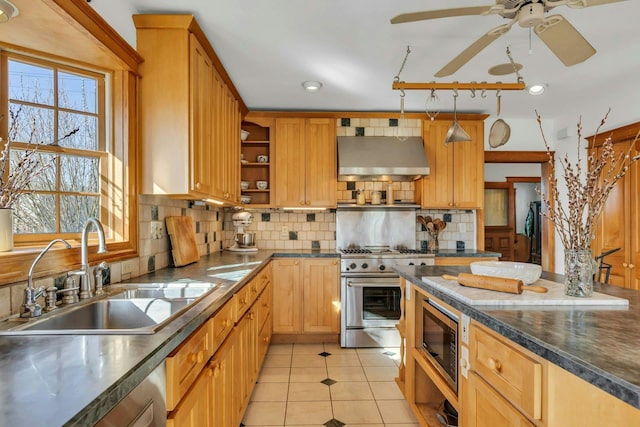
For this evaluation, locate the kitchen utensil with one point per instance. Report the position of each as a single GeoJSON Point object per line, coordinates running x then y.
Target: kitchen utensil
{"type": "Point", "coordinates": [428, 218]}
{"type": "Point", "coordinates": [492, 283]}
{"type": "Point", "coordinates": [422, 221]}
{"type": "Point", "coordinates": [262, 185]}
{"type": "Point", "coordinates": [439, 224]}
{"type": "Point", "coordinates": [183, 240]}
{"type": "Point", "coordinates": [430, 227]}
{"type": "Point", "coordinates": [262, 158]}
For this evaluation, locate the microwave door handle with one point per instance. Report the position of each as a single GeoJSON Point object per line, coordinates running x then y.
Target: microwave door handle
{"type": "Point", "coordinates": [371, 285]}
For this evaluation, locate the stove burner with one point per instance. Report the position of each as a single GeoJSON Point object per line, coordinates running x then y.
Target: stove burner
{"type": "Point", "coordinates": [412, 251]}
{"type": "Point", "coordinates": [355, 251]}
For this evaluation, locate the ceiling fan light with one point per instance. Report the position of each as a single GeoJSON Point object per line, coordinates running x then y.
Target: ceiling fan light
{"type": "Point", "coordinates": [537, 89]}
{"type": "Point", "coordinates": [312, 86]}
{"type": "Point", "coordinates": [7, 10]}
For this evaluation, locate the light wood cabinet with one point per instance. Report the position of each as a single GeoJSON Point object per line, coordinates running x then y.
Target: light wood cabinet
{"type": "Point", "coordinates": [195, 408]}
{"type": "Point", "coordinates": [185, 363]}
{"type": "Point", "coordinates": [189, 119]}
{"type": "Point", "coordinates": [306, 296]}
{"type": "Point", "coordinates": [212, 387]}
{"type": "Point", "coordinates": [619, 226]}
{"type": "Point", "coordinates": [305, 162]}
{"type": "Point", "coordinates": [456, 178]}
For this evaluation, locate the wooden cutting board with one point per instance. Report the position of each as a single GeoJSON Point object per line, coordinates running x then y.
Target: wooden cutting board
{"type": "Point", "coordinates": [183, 240]}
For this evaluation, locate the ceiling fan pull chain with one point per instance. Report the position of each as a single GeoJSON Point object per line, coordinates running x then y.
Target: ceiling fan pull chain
{"type": "Point", "coordinates": [530, 48]}
{"type": "Point", "coordinates": [498, 97]}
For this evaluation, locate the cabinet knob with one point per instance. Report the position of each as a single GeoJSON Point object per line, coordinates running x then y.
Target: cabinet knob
{"type": "Point", "coordinates": [302, 202]}
{"type": "Point", "coordinates": [251, 316]}
{"type": "Point", "coordinates": [196, 357]}
{"type": "Point", "coordinates": [295, 263]}
{"type": "Point", "coordinates": [632, 266]}
{"type": "Point", "coordinates": [464, 363]}
{"type": "Point", "coordinates": [625, 265]}
{"type": "Point", "coordinates": [495, 364]}
{"type": "Point", "coordinates": [266, 340]}
{"type": "Point", "coordinates": [197, 185]}
{"type": "Point", "coordinates": [308, 202]}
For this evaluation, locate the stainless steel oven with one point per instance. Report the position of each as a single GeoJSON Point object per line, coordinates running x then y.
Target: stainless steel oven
{"type": "Point", "coordinates": [371, 310]}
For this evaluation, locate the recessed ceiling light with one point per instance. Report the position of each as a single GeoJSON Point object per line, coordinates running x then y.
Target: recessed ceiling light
{"type": "Point", "coordinates": [311, 86]}
{"type": "Point", "coordinates": [537, 89]}
{"type": "Point", "coordinates": [7, 10]}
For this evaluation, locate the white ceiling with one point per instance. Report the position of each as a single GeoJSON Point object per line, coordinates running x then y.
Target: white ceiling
{"type": "Point", "coordinates": [270, 47]}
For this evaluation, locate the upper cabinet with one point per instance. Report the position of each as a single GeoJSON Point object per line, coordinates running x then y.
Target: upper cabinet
{"type": "Point", "coordinates": [305, 162]}
{"type": "Point", "coordinates": [189, 115]}
{"type": "Point", "coordinates": [256, 158]}
{"type": "Point", "coordinates": [456, 180]}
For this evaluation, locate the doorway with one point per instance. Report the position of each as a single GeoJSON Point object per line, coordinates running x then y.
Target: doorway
{"type": "Point", "coordinates": [547, 237]}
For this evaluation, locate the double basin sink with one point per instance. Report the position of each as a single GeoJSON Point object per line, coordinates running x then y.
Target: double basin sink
{"type": "Point", "coordinates": [143, 308]}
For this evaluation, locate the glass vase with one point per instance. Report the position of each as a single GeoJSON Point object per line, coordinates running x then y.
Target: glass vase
{"type": "Point", "coordinates": [578, 273]}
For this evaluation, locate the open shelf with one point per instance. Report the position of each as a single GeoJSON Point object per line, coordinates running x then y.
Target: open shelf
{"type": "Point", "coordinates": [258, 143]}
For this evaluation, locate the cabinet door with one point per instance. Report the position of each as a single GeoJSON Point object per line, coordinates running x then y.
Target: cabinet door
{"type": "Point", "coordinates": [633, 176]}
{"type": "Point", "coordinates": [320, 163]}
{"type": "Point", "coordinates": [224, 385]}
{"type": "Point", "coordinates": [201, 138]}
{"type": "Point", "coordinates": [486, 408]}
{"type": "Point", "coordinates": [289, 162]}
{"type": "Point", "coordinates": [195, 409]}
{"type": "Point", "coordinates": [321, 295]}
{"type": "Point", "coordinates": [287, 296]}
{"type": "Point", "coordinates": [437, 188]}
{"type": "Point", "coordinates": [468, 167]}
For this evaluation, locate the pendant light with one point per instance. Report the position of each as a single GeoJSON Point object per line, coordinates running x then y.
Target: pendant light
{"type": "Point", "coordinates": [456, 133]}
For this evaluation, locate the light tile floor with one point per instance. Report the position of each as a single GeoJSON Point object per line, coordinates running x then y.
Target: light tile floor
{"type": "Point", "coordinates": [324, 385]}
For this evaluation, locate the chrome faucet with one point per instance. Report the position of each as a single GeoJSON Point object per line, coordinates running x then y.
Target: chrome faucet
{"type": "Point", "coordinates": [30, 308]}
{"type": "Point", "coordinates": [84, 272]}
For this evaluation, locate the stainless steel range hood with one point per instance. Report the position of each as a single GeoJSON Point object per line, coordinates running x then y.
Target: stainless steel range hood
{"type": "Point", "coordinates": [380, 158]}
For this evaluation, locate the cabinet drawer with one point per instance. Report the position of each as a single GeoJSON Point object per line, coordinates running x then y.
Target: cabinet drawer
{"type": "Point", "coordinates": [242, 301]}
{"type": "Point", "coordinates": [186, 362]}
{"type": "Point", "coordinates": [515, 375]}
{"type": "Point", "coordinates": [222, 323]}
{"type": "Point", "coordinates": [264, 306]}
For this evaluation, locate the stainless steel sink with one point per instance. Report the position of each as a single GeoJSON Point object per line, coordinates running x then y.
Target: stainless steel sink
{"type": "Point", "coordinates": [130, 309]}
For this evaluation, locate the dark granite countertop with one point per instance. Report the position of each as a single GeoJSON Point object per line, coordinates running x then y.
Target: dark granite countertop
{"type": "Point", "coordinates": [598, 344]}
{"type": "Point", "coordinates": [471, 253]}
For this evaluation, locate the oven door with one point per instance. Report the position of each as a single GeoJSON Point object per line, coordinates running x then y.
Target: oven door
{"type": "Point", "coordinates": [371, 310]}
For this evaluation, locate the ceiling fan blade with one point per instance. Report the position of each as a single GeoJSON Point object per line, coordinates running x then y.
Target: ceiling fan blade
{"type": "Point", "coordinates": [435, 14]}
{"type": "Point", "coordinates": [579, 4]}
{"type": "Point", "coordinates": [564, 40]}
{"type": "Point", "coordinates": [466, 55]}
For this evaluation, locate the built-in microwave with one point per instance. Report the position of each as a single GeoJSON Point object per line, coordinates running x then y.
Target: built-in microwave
{"type": "Point", "coordinates": [440, 340]}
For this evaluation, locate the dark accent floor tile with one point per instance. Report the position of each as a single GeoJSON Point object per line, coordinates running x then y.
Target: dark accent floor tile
{"type": "Point", "coordinates": [324, 354]}
{"type": "Point", "coordinates": [389, 353]}
{"type": "Point", "coordinates": [328, 381]}
{"type": "Point", "coordinates": [334, 423]}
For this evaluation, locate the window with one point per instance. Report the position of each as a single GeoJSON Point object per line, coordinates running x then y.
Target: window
{"type": "Point", "coordinates": [60, 109]}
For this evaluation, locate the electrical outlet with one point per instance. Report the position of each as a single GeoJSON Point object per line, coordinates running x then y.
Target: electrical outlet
{"type": "Point", "coordinates": [126, 267]}
{"type": "Point", "coordinates": [156, 230]}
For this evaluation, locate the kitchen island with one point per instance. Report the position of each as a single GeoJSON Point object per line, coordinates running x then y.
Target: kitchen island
{"type": "Point", "coordinates": [596, 344]}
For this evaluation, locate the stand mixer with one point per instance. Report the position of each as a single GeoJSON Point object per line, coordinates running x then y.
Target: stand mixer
{"type": "Point", "coordinates": [244, 242]}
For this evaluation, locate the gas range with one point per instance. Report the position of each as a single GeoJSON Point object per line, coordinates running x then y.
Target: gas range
{"type": "Point", "coordinates": [362, 260]}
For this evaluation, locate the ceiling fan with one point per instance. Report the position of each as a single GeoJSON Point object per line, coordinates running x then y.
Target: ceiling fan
{"type": "Point", "coordinates": [555, 31]}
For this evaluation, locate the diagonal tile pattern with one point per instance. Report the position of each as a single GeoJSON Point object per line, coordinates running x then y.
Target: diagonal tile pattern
{"type": "Point", "coordinates": [326, 385]}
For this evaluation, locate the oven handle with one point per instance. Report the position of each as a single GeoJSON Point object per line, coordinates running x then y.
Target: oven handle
{"type": "Point", "coordinates": [371, 285]}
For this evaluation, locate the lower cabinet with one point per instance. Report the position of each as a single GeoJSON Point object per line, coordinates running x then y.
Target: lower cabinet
{"type": "Point", "coordinates": [306, 296]}
{"type": "Point", "coordinates": [216, 381]}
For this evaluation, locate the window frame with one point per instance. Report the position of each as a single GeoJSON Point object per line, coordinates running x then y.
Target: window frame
{"type": "Point", "coordinates": [102, 153]}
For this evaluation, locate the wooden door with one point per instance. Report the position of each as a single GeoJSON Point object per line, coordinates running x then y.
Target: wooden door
{"type": "Point", "coordinates": [320, 163]}
{"type": "Point", "coordinates": [321, 295]}
{"type": "Point", "coordinates": [289, 162]}
{"type": "Point", "coordinates": [287, 296]}
{"type": "Point", "coordinates": [468, 167]}
{"type": "Point", "coordinates": [612, 232]}
{"type": "Point", "coordinates": [195, 409]}
{"type": "Point", "coordinates": [484, 407]}
{"type": "Point", "coordinates": [201, 138]}
{"type": "Point", "coordinates": [436, 189]}
{"type": "Point", "coordinates": [500, 219]}
{"type": "Point", "coordinates": [633, 176]}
